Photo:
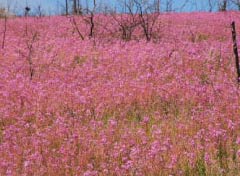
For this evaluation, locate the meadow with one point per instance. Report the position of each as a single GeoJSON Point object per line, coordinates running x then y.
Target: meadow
{"type": "Point", "coordinates": [71, 104]}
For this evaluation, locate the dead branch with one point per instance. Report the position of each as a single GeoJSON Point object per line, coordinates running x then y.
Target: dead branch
{"type": "Point", "coordinates": [74, 23]}
{"type": "Point", "coordinates": [4, 32]}
{"type": "Point", "coordinates": [235, 49]}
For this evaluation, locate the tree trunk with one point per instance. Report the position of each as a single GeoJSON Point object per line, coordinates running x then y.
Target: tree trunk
{"type": "Point", "coordinates": [74, 6]}
{"type": "Point", "coordinates": [66, 7]}
{"type": "Point", "coordinates": [158, 6]}
{"type": "Point", "coordinates": [223, 6]}
{"type": "Point", "coordinates": [235, 50]}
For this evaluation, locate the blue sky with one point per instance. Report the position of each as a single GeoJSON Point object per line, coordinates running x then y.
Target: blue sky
{"type": "Point", "coordinates": [48, 6]}
{"type": "Point", "coordinates": [57, 6]}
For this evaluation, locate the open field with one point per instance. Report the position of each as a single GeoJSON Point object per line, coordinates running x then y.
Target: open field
{"type": "Point", "coordinates": [108, 105]}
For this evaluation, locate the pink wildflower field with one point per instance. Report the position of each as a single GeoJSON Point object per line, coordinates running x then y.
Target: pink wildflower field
{"type": "Point", "coordinates": [106, 106]}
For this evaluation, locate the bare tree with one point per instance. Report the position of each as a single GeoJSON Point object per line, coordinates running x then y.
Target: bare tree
{"type": "Point", "coordinates": [38, 11]}
{"type": "Point", "coordinates": [182, 6]}
{"type": "Point", "coordinates": [4, 31]}
{"type": "Point", "coordinates": [157, 5]}
{"type": "Point", "coordinates": [147, 17]}
{"type": "Point", "coordinates": [87, 6]}
{"type": "Point", "coordinates": [235, 49]}
{"type": "Point", "coordinates": [137, 13]}
{"type": "Point", "coordinates": [29, 53]}
{"type": "Point", "coordinates": [90, 19]}
{"type": "Point", "coordinates": [222, 5]}
{"type": "Point", "coordinates": [210, 4]}
{"type": "Point", "coordinates": [77, 8]}
{"type": "Point", "coordinates": [27, 10]}
{"type": "Point", "coordinates": [127, 21]}
{"type": "Point", "coordinates": [75, 26]}
{"type": "Point", "coordinates": [169, 4]}
{"type": "Point", "coordinates": [237, 3]}
{"type": "Point", "coordinates": [66, 6]}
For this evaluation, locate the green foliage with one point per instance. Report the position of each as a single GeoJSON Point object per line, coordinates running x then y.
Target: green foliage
{"type": "Point", "coordinates": [222, 156]}
{"type": "Point", "coordinates": [204, 79]}
{"type": "Point", "coordinates": [79, 60]}
{"type": "Point", "coordinates": [201, 167]}
{"type": "Point", "coordinates": [198, 37]}
{"type": "Point", "coordinates": [187, 170]}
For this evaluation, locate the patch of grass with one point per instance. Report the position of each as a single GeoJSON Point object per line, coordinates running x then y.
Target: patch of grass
{"type": "Point", "coordinates": [200, 166]}
{"type": "Point", "coordinates": [198, 37]}
{"type": "Point", "coordinates": [79, 60]}
{"type": "Point", "coordinates": [222, 156]}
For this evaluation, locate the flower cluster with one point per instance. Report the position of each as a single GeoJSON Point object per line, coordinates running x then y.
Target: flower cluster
{"type": "Point", "coordinates": [103, 106]}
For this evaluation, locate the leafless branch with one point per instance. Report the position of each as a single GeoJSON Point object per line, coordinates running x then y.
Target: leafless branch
{"type": "Point", "coordinates": [74, 23]}
{"type": "Point", "coordinates": [4, 32]}
{"type": "Point", "coordinates": [30, 53]}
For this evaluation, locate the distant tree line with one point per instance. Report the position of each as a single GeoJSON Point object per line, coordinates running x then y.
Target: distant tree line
{"type": "Point", "coordinates": [75, 6]}
{"type": "Point", "coordinates": [130, 16]}
{"type": "Point", "coordinates": [80, 7]}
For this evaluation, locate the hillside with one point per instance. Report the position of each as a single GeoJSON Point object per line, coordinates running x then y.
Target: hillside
{"type": "Point", "coordinates": [110, 104]}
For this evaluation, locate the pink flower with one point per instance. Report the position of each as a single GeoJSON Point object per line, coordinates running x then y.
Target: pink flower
{"type": "Point", "coordinates": [146, 119]}
{"type": "Point", "coordinates": [238, 153]}
{"type": "Point", "coordinates": [207, 158]}
{"type": "Point", "coordinates": [238, 140]}
{"type": "Point", "coordinates": [26, 163]}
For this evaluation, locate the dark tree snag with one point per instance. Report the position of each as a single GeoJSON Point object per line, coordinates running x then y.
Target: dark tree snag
{"type": "Point", "coordinates": [30, 53]}
{"type": "Point", "coordinates": [92, 24]}
{"type": "Point", "coordinates": [74, 7]}
{"type": "Point", "coordinates": [27, 10]}
{"type": "Point", "coordinates": [235, 49]}
{"type": "Point", "coordinates": [66, 6]}
{"type": "Point", "coordinates": [223, 6]}
{"type": "Point", "coordinates": [92, 19]}
{"type": "Point", "coordinates": [4, 32]}
{"type": "Point", "coordinates": [76, 28]}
